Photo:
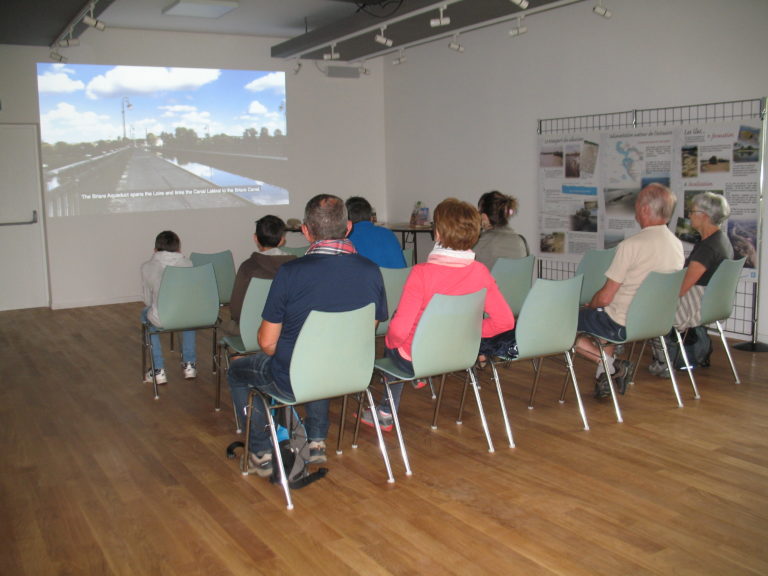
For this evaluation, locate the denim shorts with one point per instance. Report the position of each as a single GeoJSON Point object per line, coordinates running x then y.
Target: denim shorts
{"type": "Point", "coordinates": [597, 322]}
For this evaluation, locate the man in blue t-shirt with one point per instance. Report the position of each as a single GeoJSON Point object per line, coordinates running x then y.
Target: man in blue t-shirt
{"type": "Point", "coordinates": [374, 242]}
{"type": "Point", "coordinates": [331, 277]}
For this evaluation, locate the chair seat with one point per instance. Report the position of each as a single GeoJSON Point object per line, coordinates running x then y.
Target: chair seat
{"type": "Point", "coordinates": [388, 366]}
{"type": "Point", "coordinates": [236, 343]}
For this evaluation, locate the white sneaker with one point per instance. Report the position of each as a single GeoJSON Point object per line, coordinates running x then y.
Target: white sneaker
{"type": "Point", "coordinates": [189, 370]}
{"type": "Point", "coordinates": [159, 376]}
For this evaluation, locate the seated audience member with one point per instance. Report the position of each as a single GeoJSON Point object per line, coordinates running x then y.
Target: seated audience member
{"type": "Point", "coordinates": [331, 277]}
{"type": "Point", "coordinates": [497, 239]}
{"type": "Point", "coordinates": [708, 211]}
{"type": "Point", "coordinates": [450, 269]}
{"type": "Point", "coordinates": [269, 237]}
{"type": "Point", "coordinates": [167, 253]}
{"type": "Point", "coordinates": [374, 242]}
{"type": "Point", "coordinates": [653, 249]}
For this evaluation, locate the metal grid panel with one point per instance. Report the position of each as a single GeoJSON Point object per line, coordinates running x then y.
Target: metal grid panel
{"type": "Point", "coordinates": [742, 320]}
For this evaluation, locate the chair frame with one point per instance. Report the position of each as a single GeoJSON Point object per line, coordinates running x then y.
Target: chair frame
{"type": "Point", "coordinates": [438, 316]}
{"type": "Point", "coordinates": [664, 298]}
{"type": "Point", "coordinates": [327, 323]}
{"type": "Point", "coordinates": [148, 329]}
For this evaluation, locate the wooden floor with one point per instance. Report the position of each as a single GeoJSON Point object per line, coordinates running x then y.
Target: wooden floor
{"type": "Point", "coordinates": [97, 477]}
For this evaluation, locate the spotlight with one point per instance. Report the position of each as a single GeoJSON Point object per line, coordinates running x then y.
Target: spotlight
{"type": "Point", "coordinates": [297, 67]}
{"type": "Point", "coordinates": [400, 59]}
{"type": "Point", "coordinates": [93, 22]}
{"type": "Point", "coordinates": [382, 39]}
{"type": "Point", "coordinates": [454, 44]}
{"type": "Point", "coordinates": [333, 55]}
{"type": "Point", "coordinates": [519, 29]}
{"type": "Point", "coordinates": [441, 20]}
{"type": "Point", "coordinates": [55, 56]}
{"type": "Point", "coordinates": [69, 41]}
{"type": "Point", "coordinates": [601, 10]}
{"type": "Point", "coordinates": [522, 4]}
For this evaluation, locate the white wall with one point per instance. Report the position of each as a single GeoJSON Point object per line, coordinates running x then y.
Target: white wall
{"type": "Point", "coordinates": [462, 124]}
{"type": "Point", "coordinates": [337, 146]}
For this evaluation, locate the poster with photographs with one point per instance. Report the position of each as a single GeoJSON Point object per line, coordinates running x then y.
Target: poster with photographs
{"type": "Point", "coordinates": [589, 181]}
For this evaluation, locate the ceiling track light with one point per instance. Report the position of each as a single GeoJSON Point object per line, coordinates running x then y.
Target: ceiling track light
{"type": "Point", "coordinates": [333, 55]}
{"type": "Point", "coordinates": [56, 57]}
{"type": "Point", "coordinates": [89, 19]}
{"type": "Point", "coordinates": [382, 39]}
{"type": "Point", "coordinates": [522, 4]}
{"type": "Point", "coordinates": [519, 29]}
{"type": "Point", "coordinates": [441, 20]}
{"type": "Point", "coordinates": [455, 45]}
{"type": "Point", "coordinates": [400, 58]}
{"type": "Point", "coordinates": [601, 10]}
{"type": "Point", "coordinates": [69, 41]}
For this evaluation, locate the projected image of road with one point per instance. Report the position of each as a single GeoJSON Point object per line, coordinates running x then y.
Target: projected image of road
{"type": "Point", "coordinates": [223, 147]}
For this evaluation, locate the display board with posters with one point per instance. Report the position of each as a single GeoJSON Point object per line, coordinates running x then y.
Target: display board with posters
{"type": "Point", "coordinates": [589, 180]}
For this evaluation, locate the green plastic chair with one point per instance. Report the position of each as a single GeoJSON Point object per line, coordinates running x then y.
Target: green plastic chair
{"type": "Point", "coordinates": [333, 356]}
{"type": "Point", "coordinates": [188, 299]}
{"type": "Point", "coordinates": [447, 339]}
{"type": "Point", "coordinates": [223, 268]}
{"type": "Point", "coordinates": [248, 341]}
{"type": "Point", "coordinates": [549, 303]}
{"type": "Point", "coordinates": [297, 251]}
{"type": "Point", "coordinates": [592, 267]}
{"type": "Point", "coordinates": [394, 280]}
{"type": "Point", "coordinates": [408, 256]}
{"type": "Point", "coordinates": [651, 315]}
{"type": "Point", "coordinates": [514, 277]}
{"type": "Point", "coordinates": [716, 307]}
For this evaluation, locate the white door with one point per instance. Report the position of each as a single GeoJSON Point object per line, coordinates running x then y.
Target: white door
{"type": "Point", "coordinates": [23, 266]}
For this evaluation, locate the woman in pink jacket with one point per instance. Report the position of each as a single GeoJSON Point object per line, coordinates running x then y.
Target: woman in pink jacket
{"type": "Point", "coordinates": [450, 269]}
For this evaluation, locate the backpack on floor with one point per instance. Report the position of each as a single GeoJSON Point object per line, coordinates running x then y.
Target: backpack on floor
{"type": "Point", "coordinates": [698, 348]}
{"type": "Point", "coordinates": [294, 450]}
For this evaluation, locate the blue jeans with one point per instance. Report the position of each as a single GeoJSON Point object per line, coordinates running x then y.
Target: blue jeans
{"type": "Point", "coordinates": [188, 350]}
{"type": "Point", "coordinates": [255, 372]}
{"type": "Point", "coordinates": [396, 389]}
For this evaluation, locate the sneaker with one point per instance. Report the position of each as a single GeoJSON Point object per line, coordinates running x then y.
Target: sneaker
{"type": "Point", "coordinates": [419, 384]}
{"type": "Point", "coordinates": [190, 371]}
{"type": "Point", "coordinates": [317, 452]}
{"type": "Point", "coordinates": [159, 376]}
{"type": "Point", "coordinates": [623, 374]}
{"type": "Point", "coordinates": [659, 368]}
{"type": "Point", "coordinates": [260, 465]}
{"type": "Point", "coordinates": [602, 388]}
{"type": "Point", "coordinates": [385, 419]}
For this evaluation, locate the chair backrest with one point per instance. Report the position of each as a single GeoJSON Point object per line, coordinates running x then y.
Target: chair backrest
{"type": "Point", "coordinates": [447, 338]}
{"type": "Point", "coordinates": [188, 298]}
{"type": "Point", "coordinates": [514, 277]}
{"type": "Point", "coordinates": [550, 313]}
{"type": "Point", "coordinates": [408, 256]}
{"type": "Point", "coordinates": [250, 315]}
{"type": "Point", "coordinates": [717, 301]}
{"type": "Point", "coordinates": [652, 310]}
{"type": "Point", "coordinates": [394, 280]}
{"type": "Point", "coordinates": [334, 354]}
{"type": "Point", "coordinates": [593, 265]}
{"type": "Point", "coordinates": [223, 268]}
{"type": "Point", "coordinates": [297, 251]}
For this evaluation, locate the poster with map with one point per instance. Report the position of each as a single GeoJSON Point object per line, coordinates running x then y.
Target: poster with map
{"type": "Point", "coordinates": [589, 181]}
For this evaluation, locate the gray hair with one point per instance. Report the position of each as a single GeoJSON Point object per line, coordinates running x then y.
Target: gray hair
{"type": "Point", "coordinates": [326, 217]}
{"type": "Point", "coordinates": [660, 199]}
{"type": "Point", "coordinates": [713, 205]}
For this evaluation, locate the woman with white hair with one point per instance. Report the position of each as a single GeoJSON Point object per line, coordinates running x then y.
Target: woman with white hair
{"type": "Point", "coordinates": [707, 213]}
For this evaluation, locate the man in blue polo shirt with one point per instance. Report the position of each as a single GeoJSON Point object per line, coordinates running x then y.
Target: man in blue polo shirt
{"type": "Point", "coordinates": [331, 277]}
{"type": "Point", "coordinates": [374, 242]}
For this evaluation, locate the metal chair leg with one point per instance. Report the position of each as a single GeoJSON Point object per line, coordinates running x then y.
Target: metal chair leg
{"type": "Point", "coordinates": [382, 444]}
{"type": "Point", "coordinates": [671, 372]}
{"type": "Point", "coordinates": [398, 430]}
{"type": "Point", "coordinates": [728, 352]}
{"type": "Point", "coordinates": [487, 431]}
{"type": "Point", "coordinates": [615, 399]}
{"type": "Point", "coordinates": [569, 361]}
{"type": "Point", "coordinates": [504, 414]}
{"type": "Point", "coordinates": [688, 367]}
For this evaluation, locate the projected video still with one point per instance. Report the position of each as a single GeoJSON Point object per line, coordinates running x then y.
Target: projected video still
{"type": "Point", "coordinates": [119, 139]}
